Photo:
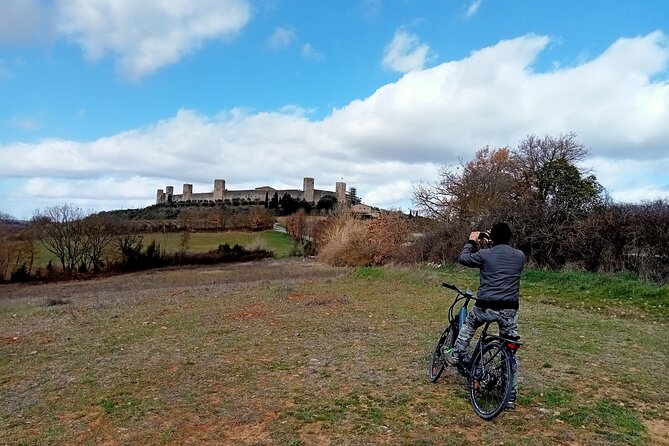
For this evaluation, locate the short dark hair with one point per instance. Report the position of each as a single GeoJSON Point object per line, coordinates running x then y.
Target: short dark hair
{"type": "Point", "coordinates": [500, 233]}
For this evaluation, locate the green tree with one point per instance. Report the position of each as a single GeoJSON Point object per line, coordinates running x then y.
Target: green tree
{"type": "Point", "coordinates": [274, 202]}
{"type": "Point", "coordinates": [326, 203]}
{"type": "Point", "coordinates": [288, 204]}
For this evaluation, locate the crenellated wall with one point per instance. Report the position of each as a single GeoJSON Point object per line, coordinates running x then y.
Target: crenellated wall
{"type": "Point", "coordinates": [307, 193]}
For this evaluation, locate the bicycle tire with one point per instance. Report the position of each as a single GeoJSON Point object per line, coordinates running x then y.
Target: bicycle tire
{"type": "Point", "coordinates": [438, 363]}
{"type": "Point", "coordinates": [490, 380]}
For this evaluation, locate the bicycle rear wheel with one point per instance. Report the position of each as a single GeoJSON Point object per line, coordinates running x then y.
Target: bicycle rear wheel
{"type": "Point", "coordinates": [438, 363]}
{"type": "Point", "coordinates": [490, 378]}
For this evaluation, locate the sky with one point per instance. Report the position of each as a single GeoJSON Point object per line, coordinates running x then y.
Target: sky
{"type": "Point", "coordinates": [104, 101]}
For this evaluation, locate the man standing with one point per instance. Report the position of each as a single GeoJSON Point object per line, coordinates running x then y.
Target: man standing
{"type": "Point", "coordinates": [497, 296]}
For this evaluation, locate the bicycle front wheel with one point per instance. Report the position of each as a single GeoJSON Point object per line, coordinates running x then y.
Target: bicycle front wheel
{"type": "Point", "coordinates": [438, 362]}
{"type": "Point", "coordinates": [490, 380]}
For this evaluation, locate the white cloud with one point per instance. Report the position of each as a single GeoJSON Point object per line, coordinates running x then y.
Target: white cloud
{"type": "Point", "coordinates": [473, 8]}
{"type": "Point", "coordinates": [282, 38]}
{"type": "Point", "coordinates": [23, 21]}
{"type": "Point", "coordinates": [617, 103]}
{"type": "Point", "coordinates": [405, 53]}
{"type": "Point", "coordinates": [311, 53]}
{"type": "Point", "coordinates": [622, 177]}
{"type": "Point", "coordinates": [147, 35]}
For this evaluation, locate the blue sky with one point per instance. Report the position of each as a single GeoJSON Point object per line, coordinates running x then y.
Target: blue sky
{"type": "Point", "coordinates": [104, 101]}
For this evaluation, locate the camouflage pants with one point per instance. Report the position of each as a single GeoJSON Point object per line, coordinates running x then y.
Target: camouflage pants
{"type": "Point", "coordinates": [507, 320]}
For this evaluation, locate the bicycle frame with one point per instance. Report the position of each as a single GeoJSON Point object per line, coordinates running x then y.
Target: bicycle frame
{"type": "Point", "coordinates": [484, 337]}
{"type": "Point", "coordinates": [492, 362]}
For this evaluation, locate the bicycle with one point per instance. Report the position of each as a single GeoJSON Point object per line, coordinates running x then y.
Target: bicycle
{"type": "Point", "coordinates": [490, 372]}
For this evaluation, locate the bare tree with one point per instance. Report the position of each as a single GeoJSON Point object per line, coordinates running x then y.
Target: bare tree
{"type": "Point", "coordinates": [534, 154]}
{"type": "Point", "coordinates": [474, 191]}
{"type": "Point", "coordinates": [99, 233]}
{"type": "Point", "coordinates": [60, 231]}
{"type": "Point", "coordinates": [297, 226]}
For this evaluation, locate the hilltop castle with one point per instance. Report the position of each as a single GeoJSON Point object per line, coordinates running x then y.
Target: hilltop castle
{"type": "Point", "coordinates": [220, 193]}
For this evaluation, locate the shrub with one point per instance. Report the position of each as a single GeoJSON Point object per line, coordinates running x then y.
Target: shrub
{"type": "Point", "coordinates": [21, 274]}
{"type": "Point", "coordinates": [438, 245]}
{"type": "Point", "coordinates": [345, 242]}
{"type": "Point", "coordinates": [388, 237]}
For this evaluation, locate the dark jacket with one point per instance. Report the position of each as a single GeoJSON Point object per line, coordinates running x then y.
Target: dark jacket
{"type": "Point", "coordinates": [500, 268]}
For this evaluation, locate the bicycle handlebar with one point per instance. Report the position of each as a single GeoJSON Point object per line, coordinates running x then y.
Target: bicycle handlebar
{"type": "Point", "coordinates": [450, 287]}
{"type": "Point", "coordinates": [465, 294]}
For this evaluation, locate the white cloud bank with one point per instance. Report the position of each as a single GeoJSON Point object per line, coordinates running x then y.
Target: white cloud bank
{"type": "Point", "coordinates": [617, 103]}
{"type": "Point", "coordinates": [147, 35]}
{"type": "Point", "coordinates": [142, 36]}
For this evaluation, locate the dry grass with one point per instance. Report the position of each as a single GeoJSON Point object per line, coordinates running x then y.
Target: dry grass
{"type": "Point", "coordinates": [345, 242]}
{"type": "Point", "coordinates": [350, 241]}
{"type": "Point", "coordinates": [295, 353]}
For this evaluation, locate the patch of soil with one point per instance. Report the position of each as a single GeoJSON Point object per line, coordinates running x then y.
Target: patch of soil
{"type": "Point", "coordinates": [318, 300]}
{"type": "Point", "coordinates": [253, 312]}
{"type": "Point", "coordinates": [255, 433]}
{"type": "Point", "coordinates": [9, 340]}
{"type": "Point", "coordinates": [658, 431]}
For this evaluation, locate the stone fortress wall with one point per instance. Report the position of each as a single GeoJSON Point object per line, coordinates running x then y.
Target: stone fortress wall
{"type": "Point", "coordinates": [307, 193]}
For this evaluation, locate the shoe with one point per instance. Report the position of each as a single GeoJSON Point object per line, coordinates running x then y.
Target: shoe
{"type": "Point", "coordinates": [451, 357]}
{"type": "Point", "coordinates": [511, 404]}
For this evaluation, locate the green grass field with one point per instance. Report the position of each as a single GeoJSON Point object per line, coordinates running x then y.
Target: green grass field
{"type": "Point", "coordinates": [291, 352]}
{"type": "Point", "coordinates": [280, 244]}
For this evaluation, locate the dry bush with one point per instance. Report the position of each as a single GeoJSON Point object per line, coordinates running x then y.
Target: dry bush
{"type": "Point", "coordinates": [296, 226]}
{"type": "Point", "coordinates": [440, 244]}
{"type": "Point", "coordinates": [258, 244]}
{"type": "Point", "coordinates": [349, 241]}
{"type": "Point", "coordinates": [259, 218]}
{"type": "Point", "coordinates": [319, 234]}
{"type": "Point", "coordinates": [388, 236]}
{"type": "Point", "coordinates": [345, 242]}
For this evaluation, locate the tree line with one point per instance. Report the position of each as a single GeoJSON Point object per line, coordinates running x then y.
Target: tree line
{"type": "Point", "coordinates": [559, 212]}
{"type": "Point", "coordinates": [84, 245]}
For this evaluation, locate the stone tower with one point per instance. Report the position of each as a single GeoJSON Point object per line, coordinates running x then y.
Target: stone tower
{"type": "Point", "coordinates": [340, 188]}
{"type": "Point", "coordinates": [308, 188]}
{"type": "Point", "coordinates": [160, 196]}
{"type": "Point", "coordinates": [219, 189]}
{"type": "Point", "coordinates": [188, 192]}
{"type": "Point", "coordinates": [169, 192]}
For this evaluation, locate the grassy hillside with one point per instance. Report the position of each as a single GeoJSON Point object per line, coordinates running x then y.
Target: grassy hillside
{"type": "Point", "coordinates": [294, 353]}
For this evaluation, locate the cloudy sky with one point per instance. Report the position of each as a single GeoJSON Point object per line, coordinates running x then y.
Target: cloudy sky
{"type": "Point", "coordinates": [104, 101]}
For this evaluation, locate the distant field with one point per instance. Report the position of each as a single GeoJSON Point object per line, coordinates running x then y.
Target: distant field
{"type": "Point", "coordinates": [280, 244]}
{"type": "Point", "coordinates": [291, 352]}
{"type": "Point", "coordinates": [274, 241]}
